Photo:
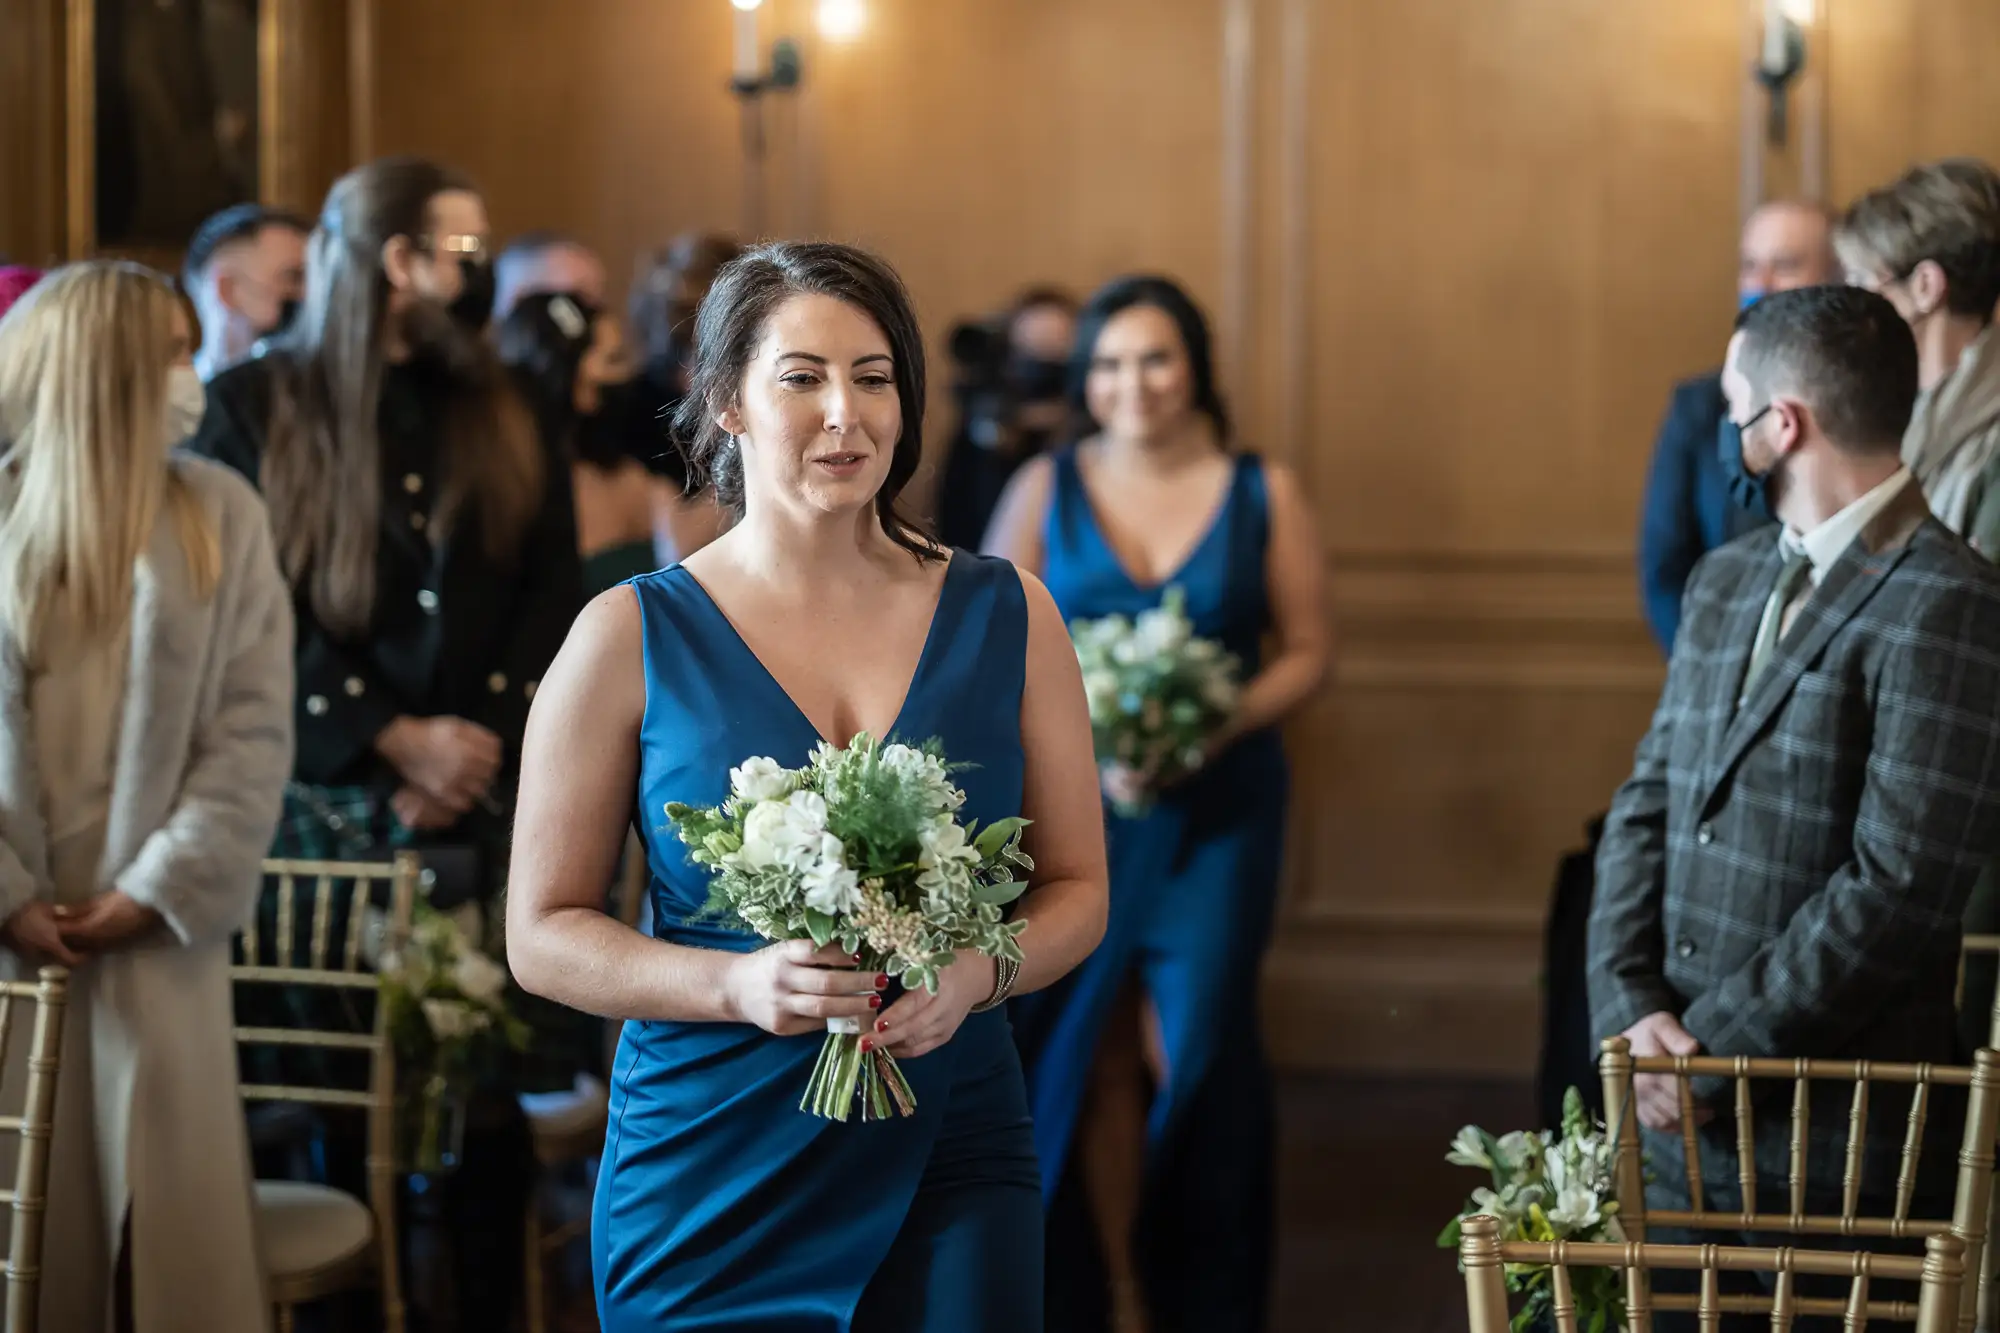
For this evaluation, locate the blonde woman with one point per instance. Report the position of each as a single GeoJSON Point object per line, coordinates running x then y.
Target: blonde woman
{"type": "Point", "coordinates": [145, 737]}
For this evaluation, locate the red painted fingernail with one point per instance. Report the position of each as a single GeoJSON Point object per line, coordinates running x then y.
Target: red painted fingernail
{"type": "Point", "coordinates": [857, 960]}
{"type": "Point", "coordinates": [874, 1002]}
{"type": "Point", "coordinates": [881, 980]}
{"type": "Point", "coordinates": [881, 1025]}
{"type": "Point", "coordinates": [867, 1045]}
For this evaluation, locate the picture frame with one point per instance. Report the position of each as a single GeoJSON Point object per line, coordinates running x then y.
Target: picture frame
{"type": "Point", "coordinates": [173, 112]}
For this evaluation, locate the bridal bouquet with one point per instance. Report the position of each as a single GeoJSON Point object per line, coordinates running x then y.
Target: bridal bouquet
{"type": "Point", "coordinates": [862, 846]}
{"type": "Point", "coordinates": [447, 1017]}
{"type": "Point", "coordinates": [1548, 1189]}
{"type": "Point", "coordinates": [1156, 691]}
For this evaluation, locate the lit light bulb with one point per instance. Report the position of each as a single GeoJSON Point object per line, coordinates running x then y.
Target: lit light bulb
{"type": "Point", "coordinates": [842, 20]}
{"type": "Point", "coordinates": [746, 5]}
{"type": "Point", "coordinates": [1799, 12]}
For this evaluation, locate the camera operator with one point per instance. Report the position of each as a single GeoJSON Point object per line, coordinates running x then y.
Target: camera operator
{"type": "Point", "coordinates": [1011, 382]}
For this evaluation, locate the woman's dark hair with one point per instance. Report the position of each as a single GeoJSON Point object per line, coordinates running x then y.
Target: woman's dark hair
{"type": "Point", "coordinates": [746, 293]}
{"type": "Point", "coordinates": [1167, 296]}
{"type": "Point", "coordinates": [543, 341]}
{"type": "Point", "coordinates": [322, 467]}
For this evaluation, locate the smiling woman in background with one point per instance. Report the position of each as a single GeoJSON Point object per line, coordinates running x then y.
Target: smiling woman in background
{"type": "Point", "coordinates": [145, 736]}
{"type": "Point", "coordinates": [1157, 499]}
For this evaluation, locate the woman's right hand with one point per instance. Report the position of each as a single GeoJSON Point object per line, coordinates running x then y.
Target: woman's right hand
{"type": "Point", "coordinates": [792, 988]}
{"type": "Point", "coordinates": [450, 760]}
{"type": "Point", "coordinates": [35, 933]}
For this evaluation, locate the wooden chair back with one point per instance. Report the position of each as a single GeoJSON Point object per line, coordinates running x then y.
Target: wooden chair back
{"type": "Point", "coordinates": [27, 1200]}
{"type": "Point", "coordinates": [327, 949]}
{"type": "Point", "coordinates": [1939, 1275]}
{"type": "Point", "coordinates": [1972, 1198]}
{"type": "Point", "coordinates": [1986, 946]}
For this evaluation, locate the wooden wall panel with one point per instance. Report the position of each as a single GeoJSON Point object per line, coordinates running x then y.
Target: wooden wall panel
{"type": "Point", "coordinates": [1909, 82]}
{"type": "Point", "coordinates": [31, 145]}
{"type": "Point", "coordinates": [1524, 219]}
{"type": "Point", "coordinates": [1521, 231]}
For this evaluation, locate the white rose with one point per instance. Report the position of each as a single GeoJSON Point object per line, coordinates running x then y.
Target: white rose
{"type": "Point", "coordinates": [806, 811]}
{"type": "Point", "coordinates": [766, 832]}
{"type": "Point", "coordinates": [899, 758]}
{"type": "Point", "coordinates": [478, 977]}
{"type": "Point", "coordinates": [761, 779]}
{"type": "Point", "coordinates": [1100, 686]}
{"type": "Point", "coordinates": [451, 1020]}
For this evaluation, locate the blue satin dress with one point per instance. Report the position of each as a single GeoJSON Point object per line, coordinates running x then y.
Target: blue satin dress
{"type": "Point", "coordinates": [721, 1205]}
{"type": "Point", "coordinates": [1193, 888]}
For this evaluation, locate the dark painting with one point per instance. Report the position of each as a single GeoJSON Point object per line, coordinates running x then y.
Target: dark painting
{"type": "Point", "coordinates": [176, 116]}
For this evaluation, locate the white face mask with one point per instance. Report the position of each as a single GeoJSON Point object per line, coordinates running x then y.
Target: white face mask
{"type": "Point", "coordinates": [187, 400]}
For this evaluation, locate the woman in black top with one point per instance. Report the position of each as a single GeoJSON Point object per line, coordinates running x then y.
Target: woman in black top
{"type": "Point", "coordinates": [429, 538]}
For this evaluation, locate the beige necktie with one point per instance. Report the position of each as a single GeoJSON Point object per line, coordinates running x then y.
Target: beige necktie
{"type": "Point", "coordinates": [1771, 629]}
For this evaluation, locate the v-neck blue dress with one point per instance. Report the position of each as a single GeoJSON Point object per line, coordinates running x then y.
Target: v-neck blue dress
{"type": "Point", "coordinates": [720, 1204]}
{"type": "Point", "coordinates": [1193, 888]}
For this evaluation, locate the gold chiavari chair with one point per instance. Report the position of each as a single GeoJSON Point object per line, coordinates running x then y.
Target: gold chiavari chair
{"type": "Point", "coordinates": [1982, 946]}
{"type": "Point", "coordinates": [1972, 1200]}
{"type": "Point", "coordinates": [318, 1241]}
{"type": "Point", "coordinates": [570, 1128]}
{"type": "Point", "coordinates": [1939, 1275]}
{"type": "Point", "coordinates": [27, 1201]}
{"type": "Point", "coordinates": [1985, 946]}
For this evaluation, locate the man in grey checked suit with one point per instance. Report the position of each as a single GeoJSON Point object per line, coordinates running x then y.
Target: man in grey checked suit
{"type": "Point", "coordinates": [1785, 871]}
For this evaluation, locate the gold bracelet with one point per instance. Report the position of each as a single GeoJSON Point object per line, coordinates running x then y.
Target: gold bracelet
{"type": "Point", "coordinates": [1005, 973]}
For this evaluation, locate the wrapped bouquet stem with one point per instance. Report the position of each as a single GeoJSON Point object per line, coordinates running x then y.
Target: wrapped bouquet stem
{"type": "Point", "coordinates": [861, 847]}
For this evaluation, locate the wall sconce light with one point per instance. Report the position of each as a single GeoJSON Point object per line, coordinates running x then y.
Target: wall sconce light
{"type": "Point", "coordinates": [1782, 57]}
{"type": "Point", "coordinates": [842, 20]}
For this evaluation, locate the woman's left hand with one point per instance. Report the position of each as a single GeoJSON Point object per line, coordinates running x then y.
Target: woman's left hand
{"type": "Point", "coordinates": [105, 922]}
{"type": "Point", "coordinates": [921, 1022]}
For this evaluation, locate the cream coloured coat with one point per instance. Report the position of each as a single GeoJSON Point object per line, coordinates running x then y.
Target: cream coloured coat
{"type": "Point", "coordinates": [148, 1118]}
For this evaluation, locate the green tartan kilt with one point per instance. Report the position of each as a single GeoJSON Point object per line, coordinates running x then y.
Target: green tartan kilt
{"type": "Point", "coordinates": [356, 824]}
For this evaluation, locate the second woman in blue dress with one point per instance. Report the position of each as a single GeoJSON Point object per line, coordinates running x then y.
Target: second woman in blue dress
{"type": "Point", "coordinates": [1157, 499]}
{"type": "Point", "coordinates": [821, 613]}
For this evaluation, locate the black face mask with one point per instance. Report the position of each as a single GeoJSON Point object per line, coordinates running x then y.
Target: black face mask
{"type": "Point", "coordinates": [1749, 490]}
{"type": "Point", "coordinates": [619, 428]}
{"type": "Point", "coordinates": [1035, 380]}
{"type": "Point", "coordinates": [288, 313]}
{"type": "Point", "coordinates": [474, 307]}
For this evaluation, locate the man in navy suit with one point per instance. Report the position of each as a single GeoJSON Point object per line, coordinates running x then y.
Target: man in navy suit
{"type": "Point", "coordinates": [1687, 509]}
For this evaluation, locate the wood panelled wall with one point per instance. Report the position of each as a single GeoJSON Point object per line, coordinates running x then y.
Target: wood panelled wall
{"type": "Point", "coordinates": [1457, 251]}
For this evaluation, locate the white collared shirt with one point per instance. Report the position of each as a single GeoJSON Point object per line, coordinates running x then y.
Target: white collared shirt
{"type": "Point", "coordinates": [1829, 541]}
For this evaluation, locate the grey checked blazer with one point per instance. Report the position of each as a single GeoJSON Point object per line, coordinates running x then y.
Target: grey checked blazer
{"type": "Point", "coordinates": [1790, 878]}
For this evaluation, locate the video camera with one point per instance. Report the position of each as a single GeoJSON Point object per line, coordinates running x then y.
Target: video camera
{"type": "Point", "coordinates": [978, 350]}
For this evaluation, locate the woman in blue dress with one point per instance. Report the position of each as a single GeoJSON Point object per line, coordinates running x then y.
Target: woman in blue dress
{"type": "Point", "coordinates": [1155, 498]}
{"type": "Point", "coordinates": [821, 613]}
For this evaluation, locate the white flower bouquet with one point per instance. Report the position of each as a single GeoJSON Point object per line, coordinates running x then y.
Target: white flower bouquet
{"type": "Point", "coordinates": [861, 846]}
{"type": "Point", "coordinates": [1543, 1190]}
{"type": "Point", "coordinates": [447, 1018]}
{"type": "Point", "coordinates": [1156, 691]}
